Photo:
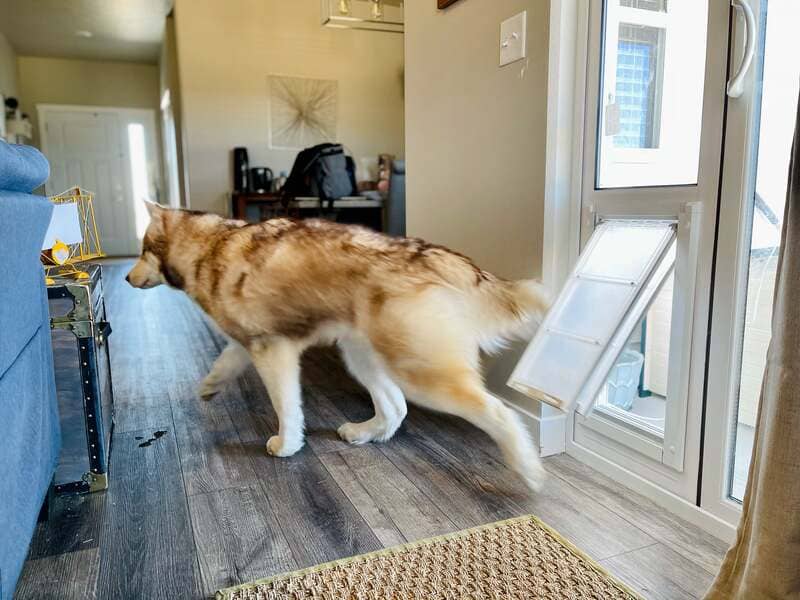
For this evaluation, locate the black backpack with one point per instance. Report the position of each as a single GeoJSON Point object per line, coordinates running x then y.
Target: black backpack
{"type": "Point", "coordinates": [322, 171]}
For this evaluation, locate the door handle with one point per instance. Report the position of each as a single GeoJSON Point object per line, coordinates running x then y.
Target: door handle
{"type": "Point", "coordinates": [736, 83]}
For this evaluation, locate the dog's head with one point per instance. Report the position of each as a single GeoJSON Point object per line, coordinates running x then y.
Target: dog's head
{"type": "Point", "coordinates": [148, 271]}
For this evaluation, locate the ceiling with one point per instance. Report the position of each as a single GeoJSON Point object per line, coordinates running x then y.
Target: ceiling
{"type": "Point", "coordinates": [128, 30]}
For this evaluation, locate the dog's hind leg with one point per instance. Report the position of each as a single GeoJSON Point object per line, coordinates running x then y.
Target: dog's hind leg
{"type": "Point", "coordinates": [278, 364]}
{"type": "Point", "coordinates": [390, 404]}
{"type": "Point", "coordinates": [228, 366]}
{"type": "Point", "coordinates": [459, 391]}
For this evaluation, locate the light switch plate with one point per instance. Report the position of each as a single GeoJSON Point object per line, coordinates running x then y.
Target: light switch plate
{"type": "Point", "coordinates": [513, 38]}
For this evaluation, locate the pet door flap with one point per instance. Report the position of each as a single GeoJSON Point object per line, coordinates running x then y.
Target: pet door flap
{"type": "Point", "coordinates": [610, 287]}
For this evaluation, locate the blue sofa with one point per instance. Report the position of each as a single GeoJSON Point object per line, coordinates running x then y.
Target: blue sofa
{"type": "Point", "coordinates": [29, 426]}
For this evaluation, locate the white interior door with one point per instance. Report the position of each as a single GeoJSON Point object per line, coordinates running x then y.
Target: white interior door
{"type": "Point", "coordinates": [112, 153]}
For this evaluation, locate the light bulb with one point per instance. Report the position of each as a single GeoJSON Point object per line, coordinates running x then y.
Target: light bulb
{"type": "Point", "coordinates": [377, 9]}
{"type": "Point", "coordinates": [344, 7]}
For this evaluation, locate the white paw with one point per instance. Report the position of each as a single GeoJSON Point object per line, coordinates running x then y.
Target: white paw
{"type": "Point", "coordinates": [209, 388]}
{"type": "Point", "coordinates": [277, 446]}
{"type": "Point", "coordinates": [362, 433]}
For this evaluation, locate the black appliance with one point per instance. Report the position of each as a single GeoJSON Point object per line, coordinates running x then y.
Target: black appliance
{"type": "Point", "coordinates": [260, 179]}
{"type": "Point", "coordinates": [241, 170]}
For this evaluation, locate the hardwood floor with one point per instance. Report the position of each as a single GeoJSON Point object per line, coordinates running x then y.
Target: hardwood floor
{"type": "Point", "coordinates": [202, 506]}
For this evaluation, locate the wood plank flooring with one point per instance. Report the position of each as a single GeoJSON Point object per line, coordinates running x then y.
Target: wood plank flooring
{"type": "Point", "coordinates": [202, 506]}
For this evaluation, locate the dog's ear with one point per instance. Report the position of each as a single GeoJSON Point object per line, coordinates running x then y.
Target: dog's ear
{"type": "Point", "coordinates": [153, 208]}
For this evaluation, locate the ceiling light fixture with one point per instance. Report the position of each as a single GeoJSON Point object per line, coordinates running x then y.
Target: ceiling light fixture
{"type": "Point", "coordinates": [84, 33]}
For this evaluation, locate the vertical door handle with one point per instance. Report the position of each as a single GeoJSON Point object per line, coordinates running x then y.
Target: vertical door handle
{"type": "Point", "coordinates": [736, 83]}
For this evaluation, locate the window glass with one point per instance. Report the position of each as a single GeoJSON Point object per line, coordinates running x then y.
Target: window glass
{"type": "Point", "coordinates": [651, 95]}
{"type": "Point", "coordinates": [639, 61]}
{"type": "Point", "coordinates": [779, 91]}
{"type": "Point", "coordinates": [657, 5]}
{"type": "Point", "coordinates": [636, 389]}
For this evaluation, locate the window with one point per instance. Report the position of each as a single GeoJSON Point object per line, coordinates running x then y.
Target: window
{"type": "Point", "coordinates": [639, 65]}
{"type": "Point", "coordinates": [652, 82]}
{"type": "Point", "coordinates": [657, 5]}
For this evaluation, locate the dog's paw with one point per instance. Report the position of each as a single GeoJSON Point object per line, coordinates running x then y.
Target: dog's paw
{"type": "Point", "coordinates": [208, 389]}
{"type": "Point", "coordinates": [277, 446]}
{"type": "Point", "coordinates": [360, 433]}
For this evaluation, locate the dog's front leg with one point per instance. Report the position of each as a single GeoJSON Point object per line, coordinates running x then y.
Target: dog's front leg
{"type": "Point", "coordinates": [278, 363]}
{"type": "Point", "coordinates": [228, 366]}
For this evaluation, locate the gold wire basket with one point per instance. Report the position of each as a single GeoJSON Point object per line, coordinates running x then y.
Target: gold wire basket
{"type": "Point", "coordinates": [75, 254]}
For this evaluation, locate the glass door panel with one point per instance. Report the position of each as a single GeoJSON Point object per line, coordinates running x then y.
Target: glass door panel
{"type": "Point", "coordinates": [655, 100]}
{"type": "Point", "coordinates": [635, 392]}
{"type": "Point", "coordinates": [763, 221]}
{"type": "Point", "coordinates": [652, 93]}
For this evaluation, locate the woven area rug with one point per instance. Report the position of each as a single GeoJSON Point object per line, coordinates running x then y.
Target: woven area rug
{"type": "Point", "coordinates": [517, 559]}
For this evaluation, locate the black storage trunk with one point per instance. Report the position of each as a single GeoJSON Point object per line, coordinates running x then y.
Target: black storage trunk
{"type": "Point", "coordinates": [83, 381]}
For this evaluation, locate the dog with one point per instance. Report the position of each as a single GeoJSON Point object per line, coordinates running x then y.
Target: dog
{"type": "Point", "coordinates": [409, 317]}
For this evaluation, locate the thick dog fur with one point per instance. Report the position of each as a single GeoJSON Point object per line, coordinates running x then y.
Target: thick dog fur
{"type": "Point", "coordinates": [408, 316]}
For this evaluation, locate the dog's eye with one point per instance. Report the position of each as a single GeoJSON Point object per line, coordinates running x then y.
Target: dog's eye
{"type": "Point", "coordinates": [149, 257]}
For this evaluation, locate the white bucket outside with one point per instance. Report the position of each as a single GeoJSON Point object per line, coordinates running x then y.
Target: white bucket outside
{"type": "Point", "coordinates": [623, 382]}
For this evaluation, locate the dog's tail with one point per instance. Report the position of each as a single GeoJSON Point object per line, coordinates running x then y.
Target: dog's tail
{"type": "Point", "coordinates": [507, 310]}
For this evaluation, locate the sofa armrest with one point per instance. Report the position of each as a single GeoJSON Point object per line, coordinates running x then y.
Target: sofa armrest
{"type": "Point", "coordinates": [22, 168]}
{"type": "Point", "coordinates": [23, 222]}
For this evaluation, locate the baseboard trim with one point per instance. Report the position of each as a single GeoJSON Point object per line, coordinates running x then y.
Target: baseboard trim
{"type": "Point", "coordinates": [675, 504]}
{"type": "Point", "coordinates": [549, 430]}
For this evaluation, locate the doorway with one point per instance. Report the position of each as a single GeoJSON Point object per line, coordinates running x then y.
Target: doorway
{"type": "Point", "coordinates": [651, 158]}
{"type": "Point", "coordinates": [702, 145]}
{"type": "Point", "coordinates": [111, 152]}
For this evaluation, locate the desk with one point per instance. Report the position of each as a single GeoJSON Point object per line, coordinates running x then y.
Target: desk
{"type": "Point", "coordinates": [359, 210]}
{"type": "Point", "coordinates": [268, 202]}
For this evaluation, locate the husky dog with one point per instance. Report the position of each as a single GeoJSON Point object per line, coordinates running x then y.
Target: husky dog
{"type": "Point", "coordinates": [409, 317]}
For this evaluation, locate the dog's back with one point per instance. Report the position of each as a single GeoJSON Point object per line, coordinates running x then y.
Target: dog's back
{"type": "Point", "coordinates": [294, 278]}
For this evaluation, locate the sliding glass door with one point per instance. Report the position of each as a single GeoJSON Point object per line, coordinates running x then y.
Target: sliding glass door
{"type": "Point", "coordinates": [656, 84]}
{"type": "Point", "coordinates": [658, 339]}
{"type": "Point", "coordinates": [759, 131]}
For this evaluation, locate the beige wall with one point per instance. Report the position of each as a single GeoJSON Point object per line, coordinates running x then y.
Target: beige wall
{"type": "Point", "coordinates": [475, 133]}
{"type": "Point", "coordinates": [8, 69]}
{"type": "Point", "coordinates": [84, 82]}
{"type": "Point", "coordinates": [475, 142]}
{"type": "Point", "coordinates": [227, 50]}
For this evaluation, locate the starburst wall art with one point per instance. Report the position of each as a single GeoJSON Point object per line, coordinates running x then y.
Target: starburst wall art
{"type": "Point", "coordinates": [303, 111]}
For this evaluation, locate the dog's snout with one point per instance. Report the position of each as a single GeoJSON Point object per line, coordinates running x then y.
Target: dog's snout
{"type": "Point", "coordinates": [128, 277]}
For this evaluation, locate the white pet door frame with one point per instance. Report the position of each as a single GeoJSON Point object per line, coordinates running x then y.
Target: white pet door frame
{"type": "Point", "coordinates": [624, 265]}
{"type": "Point", "coordinates": [651, 138]}
{"type": "Point", "coordinates": [616, 276]}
